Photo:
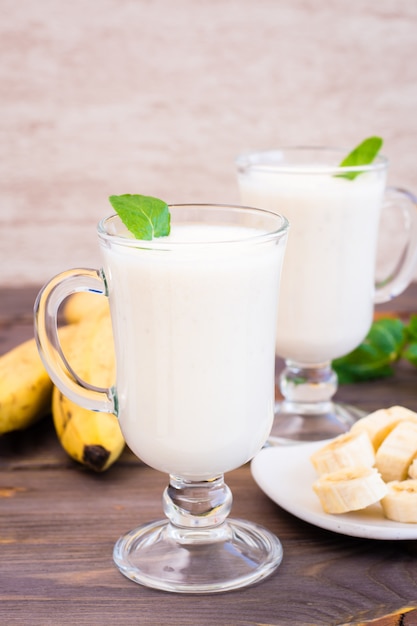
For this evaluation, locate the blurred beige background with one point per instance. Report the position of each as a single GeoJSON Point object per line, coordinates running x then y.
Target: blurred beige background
{"type": "Point", "coordinates": [103, 97]}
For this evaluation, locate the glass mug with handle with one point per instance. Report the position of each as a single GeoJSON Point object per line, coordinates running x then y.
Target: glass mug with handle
{"type": "Point", "coordinates": [194, 322]}
{"type": "Point", "coordinates": [328, 286]}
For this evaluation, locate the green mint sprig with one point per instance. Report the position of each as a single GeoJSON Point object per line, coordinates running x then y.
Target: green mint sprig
{"type": "Point", "coordinates": [363, 154]}
{"type": "Point", "coordinates": [144, 216]}
{"type": "Point", "coordinates": [388, 341]}
{"type": "Point", "coordinates": [410, 350]}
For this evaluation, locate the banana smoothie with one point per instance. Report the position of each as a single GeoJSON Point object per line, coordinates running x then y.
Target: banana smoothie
{"type": "Point", "coordinates": [327, 284]}
{"type": "Point", "coordinates": [189, 402]}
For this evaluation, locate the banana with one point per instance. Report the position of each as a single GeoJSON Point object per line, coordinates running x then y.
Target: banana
{"type": "Point", "coordinates": [26, 391]}
{"type": "Point", "coordinates": [347, 450]}
{"type": "Point", "coordinates": [349, 489]}
{"type": "Point", "coordinates": [396, 453]}
{"type": "Point", "coordinates": [83, 304]}
{"type": "Point", "coordinates": [89, 437]}
{"type": "Point", "coordinates": [400, 502]}
{"type": "Point", "coordinates": [375, 457]}
{"type": "Point", "coordinates": [25, 387]}
{"type": "Point", "coordinates": [92, 438]}
{"type": "Point", "coordinates": [380, 423]}
{"type": "Point", "coordinates": [412, 470]}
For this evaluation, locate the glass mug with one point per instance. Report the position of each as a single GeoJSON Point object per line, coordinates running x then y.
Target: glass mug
{"type": "Point", "coordinates": [328, 286]}
{"type": "Point", "coordinates": [194, 322]}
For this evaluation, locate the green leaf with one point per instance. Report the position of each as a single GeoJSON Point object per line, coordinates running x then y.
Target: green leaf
{"type": "Point", "coordinates": [146, 217]}
{"type": "Point", "coordinates": [410, 353]}
{"type": "Point", "coordinates": [363, 154]}
{"type": "Point", "coordinates": [374, 357]}
{"type": "Point", "coordinates": [411, 328]}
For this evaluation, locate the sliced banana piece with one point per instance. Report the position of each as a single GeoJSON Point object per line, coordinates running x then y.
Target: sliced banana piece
{"type": "Point", "coordinates": [400, 503]}
{"type": "Point", "coordinates": [347, 450]}
{"type": "Point", "coordinates": [396, 453]}
{"type": "Point", "coordinates": [349, 489]}
{"type": "Point", "coordinates": [380, 423]}
{"type": "Point", "coordinates": [412, 470]}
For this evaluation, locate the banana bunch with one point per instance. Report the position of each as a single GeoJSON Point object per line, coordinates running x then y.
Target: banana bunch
{"type": "Point", "coordinates": [92, 438]}
{"type": "Point", "coordinates": [375, 462]}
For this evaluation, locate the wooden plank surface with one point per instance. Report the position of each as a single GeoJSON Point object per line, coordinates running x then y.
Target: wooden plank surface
{"type": "Point", "coordinates": [59, 522]}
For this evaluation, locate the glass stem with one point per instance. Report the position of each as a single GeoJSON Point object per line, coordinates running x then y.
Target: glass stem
{"type": "Point", "coordinates": [310, 386]}
{"type": "Point", "coordinates": [197, 504]}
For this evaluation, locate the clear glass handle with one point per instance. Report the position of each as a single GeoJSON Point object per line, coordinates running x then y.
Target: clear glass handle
{"type": "Point", "coordinates": [398, 223]}
{"type": "Point", "coordinates": [46, 310]}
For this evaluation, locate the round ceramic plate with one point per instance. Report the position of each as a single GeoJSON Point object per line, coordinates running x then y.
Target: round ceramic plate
{"type": "Point", "coordinates": [286, 475]}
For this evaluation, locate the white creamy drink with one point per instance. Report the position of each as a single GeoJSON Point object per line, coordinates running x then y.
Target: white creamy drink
{"type": "Point", "coordinates": [327, 284]}
{"type": "Point", "coordinates": [194, 330]}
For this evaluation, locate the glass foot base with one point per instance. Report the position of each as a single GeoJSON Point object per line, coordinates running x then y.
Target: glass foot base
{"type": "Point", "coordinates": [296, 426]}
{"type": "Point", "coordinates": [206, 560]}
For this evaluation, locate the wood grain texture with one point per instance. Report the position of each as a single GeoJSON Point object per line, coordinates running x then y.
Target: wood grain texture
{"type": "Point", "coordinates": [59, 522]}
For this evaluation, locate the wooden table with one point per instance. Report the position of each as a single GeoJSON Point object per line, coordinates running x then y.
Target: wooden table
{"type": "Point", "coordinates": [58, 524]}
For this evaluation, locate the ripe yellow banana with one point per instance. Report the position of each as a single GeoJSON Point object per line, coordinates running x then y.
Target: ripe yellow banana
{"type": "Point", "coordinates": [90, 437]}
{"type": "Point", "coordinates": [397, 451]}
{"type": "Point", "coordinates": [400, 502]}
{"type": "Point", "coordinates": [25, 387]}
{"type": "Point", "coordinates": [347, 450]}
{"type": "Point", "coordinates": [349, 489]}
{"type": "Point", "coordinates": [380, 423]}
{"type": "Point", "coordinates": [83, 304]}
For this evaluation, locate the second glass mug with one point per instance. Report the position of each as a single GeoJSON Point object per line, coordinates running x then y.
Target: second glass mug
{"type": "Point", "coordinates": [328, 286]}
{"type": "Point", "coordinates": [194, 321]}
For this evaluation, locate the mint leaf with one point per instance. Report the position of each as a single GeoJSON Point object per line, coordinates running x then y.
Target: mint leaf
{"type": "Point", "coordinates": [363, 154]}
{"type": "Point", "coordinates": [388, 341]}
{"type": "Point", "coordinates": [374, 357]}
{"type": "Point", "coordinates": [146, 217]}
{"type": "Point", "coordinates": [411, 328]}
{"type": "Point", "coordinates": [410, 353]}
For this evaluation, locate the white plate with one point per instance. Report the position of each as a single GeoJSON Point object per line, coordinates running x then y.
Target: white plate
{"type": "Point", "coordinates": [286, 475]}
